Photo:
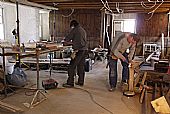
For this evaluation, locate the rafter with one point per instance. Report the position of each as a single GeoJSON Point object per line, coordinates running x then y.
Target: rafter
{"type": "Point", "coordinates": [127, 5]}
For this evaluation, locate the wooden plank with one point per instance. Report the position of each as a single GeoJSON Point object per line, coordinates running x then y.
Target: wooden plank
{"type": "Point", "coordinates": [142, 95]}
{"type": "Point", "coordinates": [137, 78]}
{"type": "Point", "coordinates": [10, 107]}
{"type": "Point", "coordinates": [143, 80]}
{"type": "Point", "coordinates": [134, 66]}
{"type": "Point", "coordinates": [131, 77]}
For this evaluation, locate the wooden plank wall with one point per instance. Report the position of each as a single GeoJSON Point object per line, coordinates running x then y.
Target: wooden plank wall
{"type": "Point", "coordinates": [150, 30]}
{"type": "Point", "coordinates": [88, 19]}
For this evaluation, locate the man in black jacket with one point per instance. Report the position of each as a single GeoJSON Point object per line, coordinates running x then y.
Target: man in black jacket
{"type": "Point", "coordinates": [77, 36]}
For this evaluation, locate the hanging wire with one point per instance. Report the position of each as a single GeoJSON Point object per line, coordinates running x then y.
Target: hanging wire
{"type": "Point", "coordinates": [106, 5]}
{"type": "Point", "coordinates": [147, 7]}
{"type": "Point", "coordinates": [153, 11]}
{"type": "Point", "coordinates": [72, 11]}
{"type": "Point", "coordinates": [155, 1]}
{"type": "Point", "coordinates": [118, 9]}
{"type": "Point", "coordinates": [150, 16]}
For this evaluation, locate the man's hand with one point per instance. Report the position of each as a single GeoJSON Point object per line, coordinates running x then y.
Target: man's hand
{"type": "Point", "coordinates": [125, 60]}
{"type": "Point", "coordinates": [73, 54]}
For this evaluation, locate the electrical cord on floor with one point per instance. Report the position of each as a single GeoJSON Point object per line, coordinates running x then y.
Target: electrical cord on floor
{"type": "Point", "coordinates": [93, 100]}
{"type": "Point", "coordinates": [30, 91]}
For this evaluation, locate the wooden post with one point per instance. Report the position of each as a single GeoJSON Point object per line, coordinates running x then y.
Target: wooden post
{"type": "Point", "coordinates": [39, 91]}
{"type": "Point", "coordinates": [18, 37]}
{"type": "Point", "coordinates": [130, 91]}
{"type": "Point", "coordinates": [132, 67]}
{"type": "Point", "coordinates": [131, 77]}
{"type": "Point", "coordinates": [4, 75]}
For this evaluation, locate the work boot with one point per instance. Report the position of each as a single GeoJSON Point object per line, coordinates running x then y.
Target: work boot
{"type": "Point", "coordinates": [68, 85]}
{"type": "Point", "coordinates": [79, 84]}
{"type": "Point", "coordinates": [111, 89]}
{"type": "Point", "coordinates": [124, 82]}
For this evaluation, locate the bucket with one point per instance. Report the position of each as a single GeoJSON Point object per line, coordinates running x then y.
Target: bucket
{"type": "Point", "coordinates": [9, 69]}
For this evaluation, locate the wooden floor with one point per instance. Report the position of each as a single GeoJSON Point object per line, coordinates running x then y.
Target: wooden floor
{"type": "Point", "coordinates": [92, 98]}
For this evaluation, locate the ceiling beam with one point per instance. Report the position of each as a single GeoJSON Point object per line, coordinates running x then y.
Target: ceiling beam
{"type": "Point", "coordinates": [126, 5]}
{"type": "Point", "coordinates": [92, 1]}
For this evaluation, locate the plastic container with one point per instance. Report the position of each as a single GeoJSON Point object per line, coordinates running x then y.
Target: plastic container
{"type": "Point", "coordinates": [9, 68]}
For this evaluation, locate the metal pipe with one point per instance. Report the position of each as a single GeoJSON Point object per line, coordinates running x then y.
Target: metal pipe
{"type": "Point", "coordinates": [33, 4]}
{"type": "Point", "coordinates": [4, 75]}
{"type": "Point", "coordinates": [18, 37]}
{"type": "Point", "coordinates": [163, 43]}
{"type": "Point", "coordinates": [104, 26]}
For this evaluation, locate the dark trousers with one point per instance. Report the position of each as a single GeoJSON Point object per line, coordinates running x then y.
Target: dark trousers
{"type": "Point", "coordinates": [113, 71]}
{"type": "Point", "coordinates": [77, 64]}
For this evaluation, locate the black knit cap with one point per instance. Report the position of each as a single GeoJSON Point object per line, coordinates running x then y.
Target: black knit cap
{"type": "Point", "coordinates": [74, 23]}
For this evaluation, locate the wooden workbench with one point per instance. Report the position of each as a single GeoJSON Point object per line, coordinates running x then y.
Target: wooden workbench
{"type": "Point", "coordinates": [33, 53]}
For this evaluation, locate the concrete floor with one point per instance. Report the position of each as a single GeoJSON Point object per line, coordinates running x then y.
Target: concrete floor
{"type": "Point", "coordinates": [92, 98]}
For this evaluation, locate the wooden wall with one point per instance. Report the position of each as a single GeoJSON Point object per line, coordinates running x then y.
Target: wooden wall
{"type": "Point", "coordinates": [150, 30]}
{"type": "Point", "coordinates": [88, 19]}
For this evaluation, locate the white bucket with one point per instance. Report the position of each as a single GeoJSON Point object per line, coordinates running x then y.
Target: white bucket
{"type": "Point", "coordinates": [9, 69]}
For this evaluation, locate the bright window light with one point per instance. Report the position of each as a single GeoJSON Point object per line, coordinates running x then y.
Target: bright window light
{"type": "Point", "coordinates": [129, 26]}
{"type": "Point", "coordinates": [1, 25]}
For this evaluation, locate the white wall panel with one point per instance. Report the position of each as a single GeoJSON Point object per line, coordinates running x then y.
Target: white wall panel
{"type": "Point", "coordinates": [28, 22]}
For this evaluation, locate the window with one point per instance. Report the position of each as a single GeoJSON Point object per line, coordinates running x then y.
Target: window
{"type": "Point", "coordinates": [129, 25]}
{"type": "Point", "coordinates": [40, 25]}
{"type": "Point", "coordinates": [126, 25]}
{"type": "Point", "coordinates": [1, 25]}
{"type": "Point", "coordinates": [44, 25]}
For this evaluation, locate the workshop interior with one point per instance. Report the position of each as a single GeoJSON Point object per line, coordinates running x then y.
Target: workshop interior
{"type": "Point", "coordinates": [34, 59]}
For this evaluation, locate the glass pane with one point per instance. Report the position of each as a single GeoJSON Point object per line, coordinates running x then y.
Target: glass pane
{"type": "Point", "coordinates": [129, 26]}
{"type": "Point", "coordinates": [1, 16]}
{"type": "Point", "coordinates": [1, 32]}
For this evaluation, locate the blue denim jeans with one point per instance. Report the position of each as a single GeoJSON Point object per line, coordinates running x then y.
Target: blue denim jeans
{"type": "Point", "coordinates": [113, 71]}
